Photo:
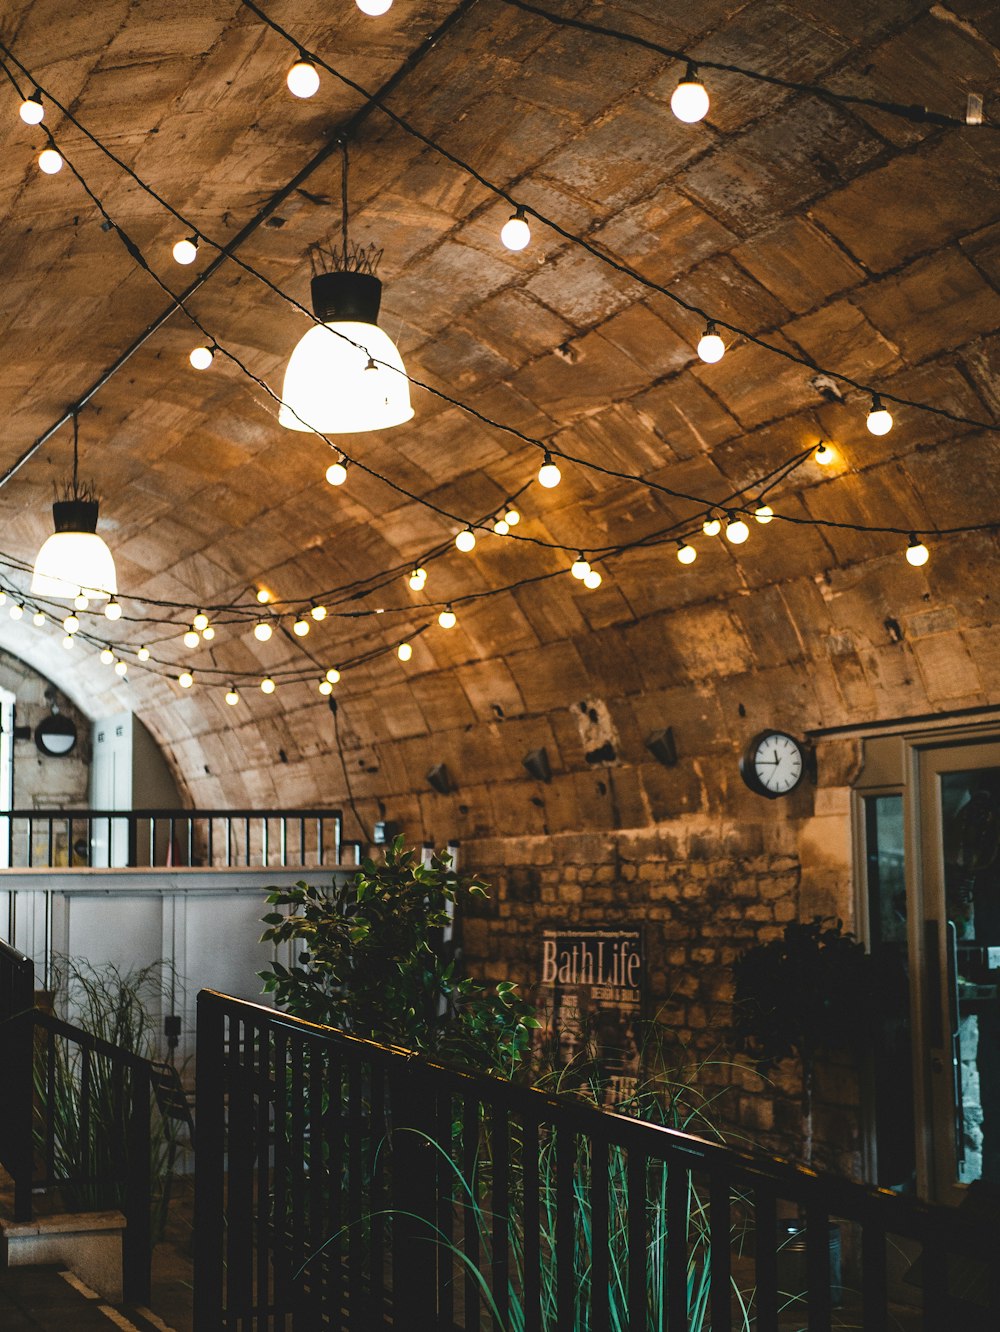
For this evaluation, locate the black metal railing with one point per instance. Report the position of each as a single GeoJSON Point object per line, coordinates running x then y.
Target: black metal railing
{"type": "Point", "coordinates": [76, 1115]}
{"type": "Point", "coordinates": [164, 838]}
{"type": "Point", "coordinates": [17, 982]}
{"type": "Point", "coordinates": [346, 1185]}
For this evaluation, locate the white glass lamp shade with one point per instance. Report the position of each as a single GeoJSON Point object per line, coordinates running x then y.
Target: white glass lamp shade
{"type": "Point", "coordinates": [74, 558]}
{"type": "Point", "coordinates": [345, 376]}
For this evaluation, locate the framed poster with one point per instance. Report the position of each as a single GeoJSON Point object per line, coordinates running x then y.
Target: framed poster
{"type": "Point", "coordinates": [591, 987]}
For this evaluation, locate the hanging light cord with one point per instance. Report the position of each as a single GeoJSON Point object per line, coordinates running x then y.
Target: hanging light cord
{"type": "Point", "coordinates": [76, 454]}
{"type": "Point", "coordinates": [343, 195]}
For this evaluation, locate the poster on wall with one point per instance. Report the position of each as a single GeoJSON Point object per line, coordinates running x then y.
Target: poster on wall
{"type": "Point", "coordinates": [591, 989]}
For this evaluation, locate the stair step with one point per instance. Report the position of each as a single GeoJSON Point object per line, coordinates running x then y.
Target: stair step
{"type": "Point", "coordinates": [50, 1299]}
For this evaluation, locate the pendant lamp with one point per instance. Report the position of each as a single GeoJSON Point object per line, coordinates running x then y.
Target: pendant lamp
{"type": "Point", "coordinates": [75, 559]}
{"type": "Point", "coordinates": [345, 374]}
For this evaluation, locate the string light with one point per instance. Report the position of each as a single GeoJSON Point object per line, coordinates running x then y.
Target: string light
{"type": "Point", "coordinates": [3, 597]}
{"type": "Point", "coordinates": [417, 579]}
{"type": "Point", "coordinates": [81, 601]}
{"type": "Point", "coordinates": [267, 685]}
{"type": "Point", "coordinates": [374, 8]}
{"type": "Point", "coordinates": [121, 668]}
{"type": "Point", "coordinates": [68, 641]}
{"type": "Point", "coordinates": [511, 516]}
{"type": "Point", "coordinates": [17, 611]}
{"type": "Point", "coordinates": [823, 454]}
{"type": "Point", "coordinates": [113, 609]}
{"type": "Point", "coordinates": [303, 78]}
{"type": "Point", "coordinates": [262, 631]}
{"type": "Point", "coordinates": [300, 628]}
{"type": "Point", "coordinates": [31, 110]}
{"type": "Point", "coordinates": [38, 619]}
{"type": "Point", "coordinates": [711, 526]}
{"type": "Point", "coordinates": [336, 473]}
{"type": "Point", "coordinates": [592, 579]}
{"type": "Point", "coordinates": [71, 623]}
{"type": "Point", "coordinates": [689, 100]}
{"type": "Point", "coordinates": [208, 633]}
{"type": "Point", "coordinates": [263, 595]}
{"type": "Point", "coordinates": [201, 357]}
{"type": "Point", "coordinates": [192, 638]}
{"type": "Point", "coordinates": [186, 250]}
{"type": "Point", "coordinates": [50, 161]}
{"type": "Point", "coordinates": [764, 514]}
{"type": "Point", "coordinates": [185, 679]}
{"type": "Point", "coordinates": [515, 232]}
{"type": "Point", "coordinates": [879, 420]}
{"type": "Point", "coordinates": [325, 688]}
{"type": "Point", "coordinates": [501, 526]}
{"type": "Point", "coordinates": [200, 621]}
{"type": "Point", "coordinates": [711, 348]}
{"type": "Point", "coordinates": [466, 540]}
{"type": "Point", "coordinates": [107, 656]}
{"type": "Point", "coordinates": [404, 652]}
{"type": "Point", "coordinates": [549, 474]}
{"type": "Point", "coordinates": [447, 619]}
{"type": "Point", "coordinates": [232, 696]}
{"type": "Point", "coordinates": [580, 567]}
{"type": "Point", "coordinates": [686, 554]}
{"type": "Point", "coordinates": [736, 530]}
{"type": "Point", "coordinates": [916, 552]}
{"type": "Point", "coordinates": [333, 675]}
{"type": "Point", "coordinates": [143, 653]}
{"type": "Point", "coordinates": [317, 612]}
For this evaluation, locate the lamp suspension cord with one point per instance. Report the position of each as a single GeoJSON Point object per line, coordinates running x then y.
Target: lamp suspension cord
{"type": "Point", "coordinates": [343, 196]}
{"type": "Point", "coordinates": [76, 453]}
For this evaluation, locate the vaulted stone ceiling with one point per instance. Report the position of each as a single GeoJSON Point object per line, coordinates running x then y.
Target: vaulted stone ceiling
{"type": "Point", "coordinates": [863, 241]}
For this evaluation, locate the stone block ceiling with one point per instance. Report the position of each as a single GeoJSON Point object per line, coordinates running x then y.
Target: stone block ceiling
{"type": "Point", "coordinates": [862, 242]}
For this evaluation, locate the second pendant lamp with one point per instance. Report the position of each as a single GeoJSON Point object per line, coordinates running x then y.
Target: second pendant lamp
{"type": "Point", "coordinates": [345, 374]}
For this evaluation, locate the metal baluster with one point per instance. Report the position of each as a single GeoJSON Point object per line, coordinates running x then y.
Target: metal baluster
{"type": "Point", "coordinates": [600, 1313]}
{"type": "Point", "coordinates": [283, 1265]}
{"type": "Point", "coordinates": [500, 1274]}
{"type": "Point", "coordinates": [302, 1276]}
{"type": "Point", "coordinates": [246, 831]}
{"type": "Point", "coordinates": [532, 1270]}
{"type": "Point", "coordinates": [818, 1267]}
{"type": "Point", "coordinates": [302, 841]}
{"type": "Point", "coordinates": [873, 1278]}
{"type": "Point", "coordinates": [470, 1201]}
{"type": "Point", "coordinates": [719, 1253]}
{"type": "Point", "coordinates": [264, 849]}
{"type": "Point", "coordinates": [355, 1194]}
{"type": "Point", "coordinates": [334, 1128]}
{"type": "Point", "coordinates": [229, 842]}
{"type": "Point", "coordinates": [636, 1185]}
{"type": "Point", "coordinates": [209, 1196]}
{"type": "Point", "coordinates": [319, 1285]}
{"type": "Point", "coordinates": [265, 1240]}
{"type": "Point", "coordinates": [283, 840]}
{"type": "Point", "coordinates": [766, 1258]}
{"type": "Point", "coordinates": [565, 1255]}
{"type": "Point", "coordinates": [190, 840]}
{"type": "Point", "coordinates": [377, 1200]}
{"type": "Point", "coordinates": [445, 1188]}
{"type": "Point", "coordinates": [320, 858]}
{"type": "Point", "coordinates": [51, 842]}
{"type": "Point", "coordinates": [31, 845]}
{"type": "Point", "coordinates": [86, 1152]}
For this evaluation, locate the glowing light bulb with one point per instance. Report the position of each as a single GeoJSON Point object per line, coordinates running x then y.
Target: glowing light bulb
{"type": "Point", "coordinates": [879, 420]}
{"type": "Point", "coordinates": [916, 552]}
{"type": "Point", "coordinates": [38, 619]}
{"type": "Point", "coordinates": [262, 631]}
{"type": "Point", "coordinates": [824, 455]}
{"type": "Point", "coordinates": [501, 526]}
{"type": "Point", "coordinates": [318, 612]}
{"type": "Point", "coordinates": [303, 78]}
{"type": "Point", "coordinates": [186, 250]}
{"type": "Point", "coordinates": [711, 348]}
{"type": "Point", "coordinates": [593, 579]}
{"type": "Point", "coordinates": [185, 679]}
{"type": "Point", "coordinates": [336, 473]}
{"type": "Point", "coordinates": [113, 609]}
{"type": "Point", "coordinates": [3, 597]}
{"type": "Point", "coordinates": [16, 611]}
{"type": "Point", "coordinates": [201, 357]}
{"type": "Point", "coordinates": [466, 541]}
{"type": "Point", "coordinates": [736, 531]}
{"type": "Point", "coordinates": [50, 161]}
{"type": "Point", "coordinates": [31, 110]}
{"type": "Point", "coordinates": [374, 8]}
{"type": "Point", "coordinates": [192, 638]}
{"type": "Point", "coordinates": [81, 601]}
{"type": "Point", "coordinates": [200, 621]}
{"type": "Point", "coordinates": [417, 580]}
{"type": "Point", "coordinates": [515, 232]}
{"type": "Point", "coordinates": [711, 526]}
{"type": "Point", "coordinates": [404, 652]}
{"type": "Point", "coordinates": [208, 633]}
{"type": "Point", "coordinates": [447, 619]}
{"type": "Point", "coordinates": [263, 595]}
{"type": "Point", "coordinates": [267, 685]}
{"type": "Point", "coordinates": [549, 474]}
{"type": "Point", "coordinates": [686, 554]}
{"type": "Point", "coordinates": [71, 623]}
{"type": "Point", "coordinates": [232, 696]}
{"type": "Point", "coordinates": [581, 567]}
{"type": "Point", "coordinates": [107, 656]}
{"type": "Point", "coordinates": [325, 688]}
{"type": "Point", "coordinates": [764, 514]}
{"type": "Point", "coordinates": [300, 628]}
{"type": "Point", "coordinates": [121, 668]}
{"type": "Point", "coordinates": [689, 100]}
{"type": "Point", "coordinates": [68, 641]}
{"type": "Point", "coordinates": [143, 654]}
{"type": "Point", "coordinates": [333, 675]}
{"type": "Point", "coordinates": [511, 517]}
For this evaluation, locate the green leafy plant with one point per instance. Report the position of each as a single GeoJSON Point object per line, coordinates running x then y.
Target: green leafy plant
{"type": "Point", "coordinates": [373, 962]}
{"type": "Point", "coordinates": [808, 993]}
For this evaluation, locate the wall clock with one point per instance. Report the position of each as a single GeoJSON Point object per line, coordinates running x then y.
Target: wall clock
{"type": "Point", "coordinates": [773, 764]}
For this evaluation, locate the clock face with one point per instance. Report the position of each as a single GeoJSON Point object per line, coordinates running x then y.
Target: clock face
{"type": "Point", "coordinates": [773, 764]}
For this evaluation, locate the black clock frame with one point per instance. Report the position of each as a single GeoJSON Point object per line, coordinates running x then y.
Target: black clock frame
{"type": "Point", "coordinates": [748, 768]}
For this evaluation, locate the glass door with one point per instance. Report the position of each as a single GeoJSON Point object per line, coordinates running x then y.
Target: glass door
{"type": "Point", "coordinates": [958, 808]}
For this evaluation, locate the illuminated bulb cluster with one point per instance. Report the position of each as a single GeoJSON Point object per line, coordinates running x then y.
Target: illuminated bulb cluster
{"type": "Point", "coordinates": [31, 110]}
{"type": "Point", "coordinates": [121, 668]}
{"type": "Point", "coordinates": [113, 609]}
{"type": "Point", "coordinates": [49, 161]}
{"type": "Point", "coordinates": [81, 601]}
{"type": "Point", "coordinates": [580, 567]}
{"type": "Point", "coordinates": [185, 679]}
{"type": "Point", "coordinates": [38, 619]}
{"type": "Point", "coordinates": [202, 357]}
{"type": "Point", "coordinates": [232, 696]}
{"type": "Point", "coordinates": [317, 612]}
{"type": "Point", "coordinates": [186, 250]}
{"type": "Point", "coordinates": [262, 631]}
{"type": "Point", "coordinates": [107, 656]}
{"type": "Point", "coordinates": [879, 420]}
{"type": "Point", "coordinates": [325, 687]}
{"type": "Point", "coordinates": [267, 685]}
{"type": "Point", "coordinates": [17, 611]}
{"type": "Point", "coordinates": [917, 553]}
{"type": "Point", "coordinates": [263, 595]}
{"type": "Point", "coordinates": [686, 554]}
{"type": "Point", "coordinates": [736, 529]}
{"type": "Point", "coordinates": [711, 348]}
{"type": "Point", "coordinates": [711, 526]}
{"type": "Point", "coordinates": [333, 676]}
{"type": "Point", "coordinates": [417, 580]}
{"type": "Point", "coordinates": [71, 623]}
{"type": "Point", "coordinates": [303, 78]}
{"type": "Point", "coordinates": [824, 455]}
{"type": "Point", "coordinates": [506, 520]}
{"type": "Point", "coordinates": [764, 514]}
{"type": "Point", "coordinates": [143, 653]}
{"type": "Point", "coordinates": [192, 638]}
{"type": "Point", "coordinates": [515, 232]}
{"type": "Point", "coordinates": [466, 540]}
{"type": "Point", "coordinates": [404, 652]}
{"type": "Point", "coordinates": [689, 100]}
{"type": "Point", "coordinates": [301, 627]}
{"type": "Point", "coordinates": [336, 473]}
{"type": "Point", "coordinates": [447, 619]}
{"type": "Point", "coordinates": [549, 474]}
